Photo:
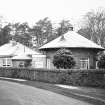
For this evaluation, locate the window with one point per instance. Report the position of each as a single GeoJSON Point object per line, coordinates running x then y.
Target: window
{"type": "Point", "coordinates": [1, 62]}
{"type": "Point", "coordinates": [84, 63]}
{"type": "Point", "coordinates": [96, 64]}
{"type": "Point", "coordinates": [48, 63]}
{"type": "Point", "coordinates": [22, 64]}
{"type": "Point", "coordinates": [6, 62]}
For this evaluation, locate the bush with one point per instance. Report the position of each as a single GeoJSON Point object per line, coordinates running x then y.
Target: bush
{"type": "Point", "coordinates": [63, 59]}
{"type": "Point", "coordinates": [101, 62]}
{"type": "Point", "coordinates": [91, 78]}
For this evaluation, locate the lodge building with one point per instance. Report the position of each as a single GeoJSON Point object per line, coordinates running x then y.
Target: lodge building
{"type": "Point", "coordinates": [14, 54]}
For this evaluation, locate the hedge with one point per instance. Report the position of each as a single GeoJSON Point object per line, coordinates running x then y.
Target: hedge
{"type": "Point", "coordinates": [93, 78]}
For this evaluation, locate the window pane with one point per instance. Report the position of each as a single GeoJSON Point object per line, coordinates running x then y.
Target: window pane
{"type": "Point", "coordinates": [84, 64]}
{"type": "Point", "coordinates": [1, 62]}
{"type": "Point", "coordinates": [8, 61]}
{"type": "Point", "coordinates": [4, 61]}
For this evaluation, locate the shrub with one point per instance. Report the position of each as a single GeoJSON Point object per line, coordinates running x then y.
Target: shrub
{"type": "Point", "coordinates": [101, 62]}
{"type": "Point", "coordinates": [63, 59]}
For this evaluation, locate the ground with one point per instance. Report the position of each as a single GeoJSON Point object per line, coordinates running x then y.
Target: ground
{"type": "Point", "coordinates": [22, 92]}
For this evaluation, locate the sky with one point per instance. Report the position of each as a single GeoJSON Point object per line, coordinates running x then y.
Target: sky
{"type": "Point", "coordinates": [33, 10]}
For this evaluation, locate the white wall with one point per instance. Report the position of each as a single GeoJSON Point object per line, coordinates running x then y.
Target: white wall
{"type": "Point", "coordinates": [39, 61]}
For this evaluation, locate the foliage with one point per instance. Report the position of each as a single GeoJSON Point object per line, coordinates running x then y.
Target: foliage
{"type": "Point", "coordinates": [42, 30]}
{"type": "Point", "coordinates": [101, 62]}
{"type": "Point", "coordinates": [63, 59]}
{"type": "Point", "coordinates": [65, 26]}
{"type": "Point", "coordinates": [93, 78]}
{"type": "Point", "coordinates": [40, 33]}
{"type": "Point", "coordinates": [94, 28]}
{"type": "Point", "coordinates": [4, 35]}
{"type": "Point", "coordinates": [18, 32]}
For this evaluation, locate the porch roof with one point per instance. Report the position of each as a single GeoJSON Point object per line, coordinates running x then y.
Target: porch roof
{"type": "Point", "coordinates": [21, 57]}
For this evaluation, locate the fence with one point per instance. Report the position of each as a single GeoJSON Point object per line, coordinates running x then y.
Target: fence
{"type": "Point", "coordinates": [72, 77]}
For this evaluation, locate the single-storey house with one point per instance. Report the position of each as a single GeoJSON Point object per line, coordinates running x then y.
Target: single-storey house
{"type": "Point", "coordinates": [15, 54]}
{"type": "Point", "coordinates": [84, 51]}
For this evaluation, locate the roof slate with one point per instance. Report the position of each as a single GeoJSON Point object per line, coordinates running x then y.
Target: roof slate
{"type": "Point", "coordinates": [71, 40]}
{"type": "Point", "coordinates": [9, 50]}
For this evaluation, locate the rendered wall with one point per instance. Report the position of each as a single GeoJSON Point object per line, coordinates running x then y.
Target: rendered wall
{"type": "Point", "coordinates": [38, 61]}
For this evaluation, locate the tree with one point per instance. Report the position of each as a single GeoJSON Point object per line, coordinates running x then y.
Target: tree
{"type": "Point", "coordinates": [94, 28]}
{"type": "Point", "coordinates": [42, 30]}
{"type": "Point", "coordinates": [63, 59]}
{"type": "Point", "coordinates": [4, 31]}
{"type": "Point", "coordinates": [20, 33]}
{"type": "Point", "coordinates": [4, 34]}
{"type": "Point", "coordinates": [65, 26]}
{"type": "Point", "coordinates": [101, 62]}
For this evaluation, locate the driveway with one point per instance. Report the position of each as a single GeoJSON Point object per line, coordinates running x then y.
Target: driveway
{"type": "Point", "coordinates": [12, 93]}
{"type": "Point", "coordinates": [24, 92]}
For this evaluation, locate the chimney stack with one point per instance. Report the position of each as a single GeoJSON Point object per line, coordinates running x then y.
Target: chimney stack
{"type": "Point", "coordinates": [71, 28]}
{"type": "Point", "coordinates": [13, 43]}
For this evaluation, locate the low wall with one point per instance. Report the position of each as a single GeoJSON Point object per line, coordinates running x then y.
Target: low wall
{"type": "Point", "coordinates": [71, 77]}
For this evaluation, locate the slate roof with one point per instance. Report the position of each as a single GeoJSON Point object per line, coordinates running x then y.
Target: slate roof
{"type": "Point", "coordinates": [10, 50]}
{"type": "Point", "coordinates": [71, 40]}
